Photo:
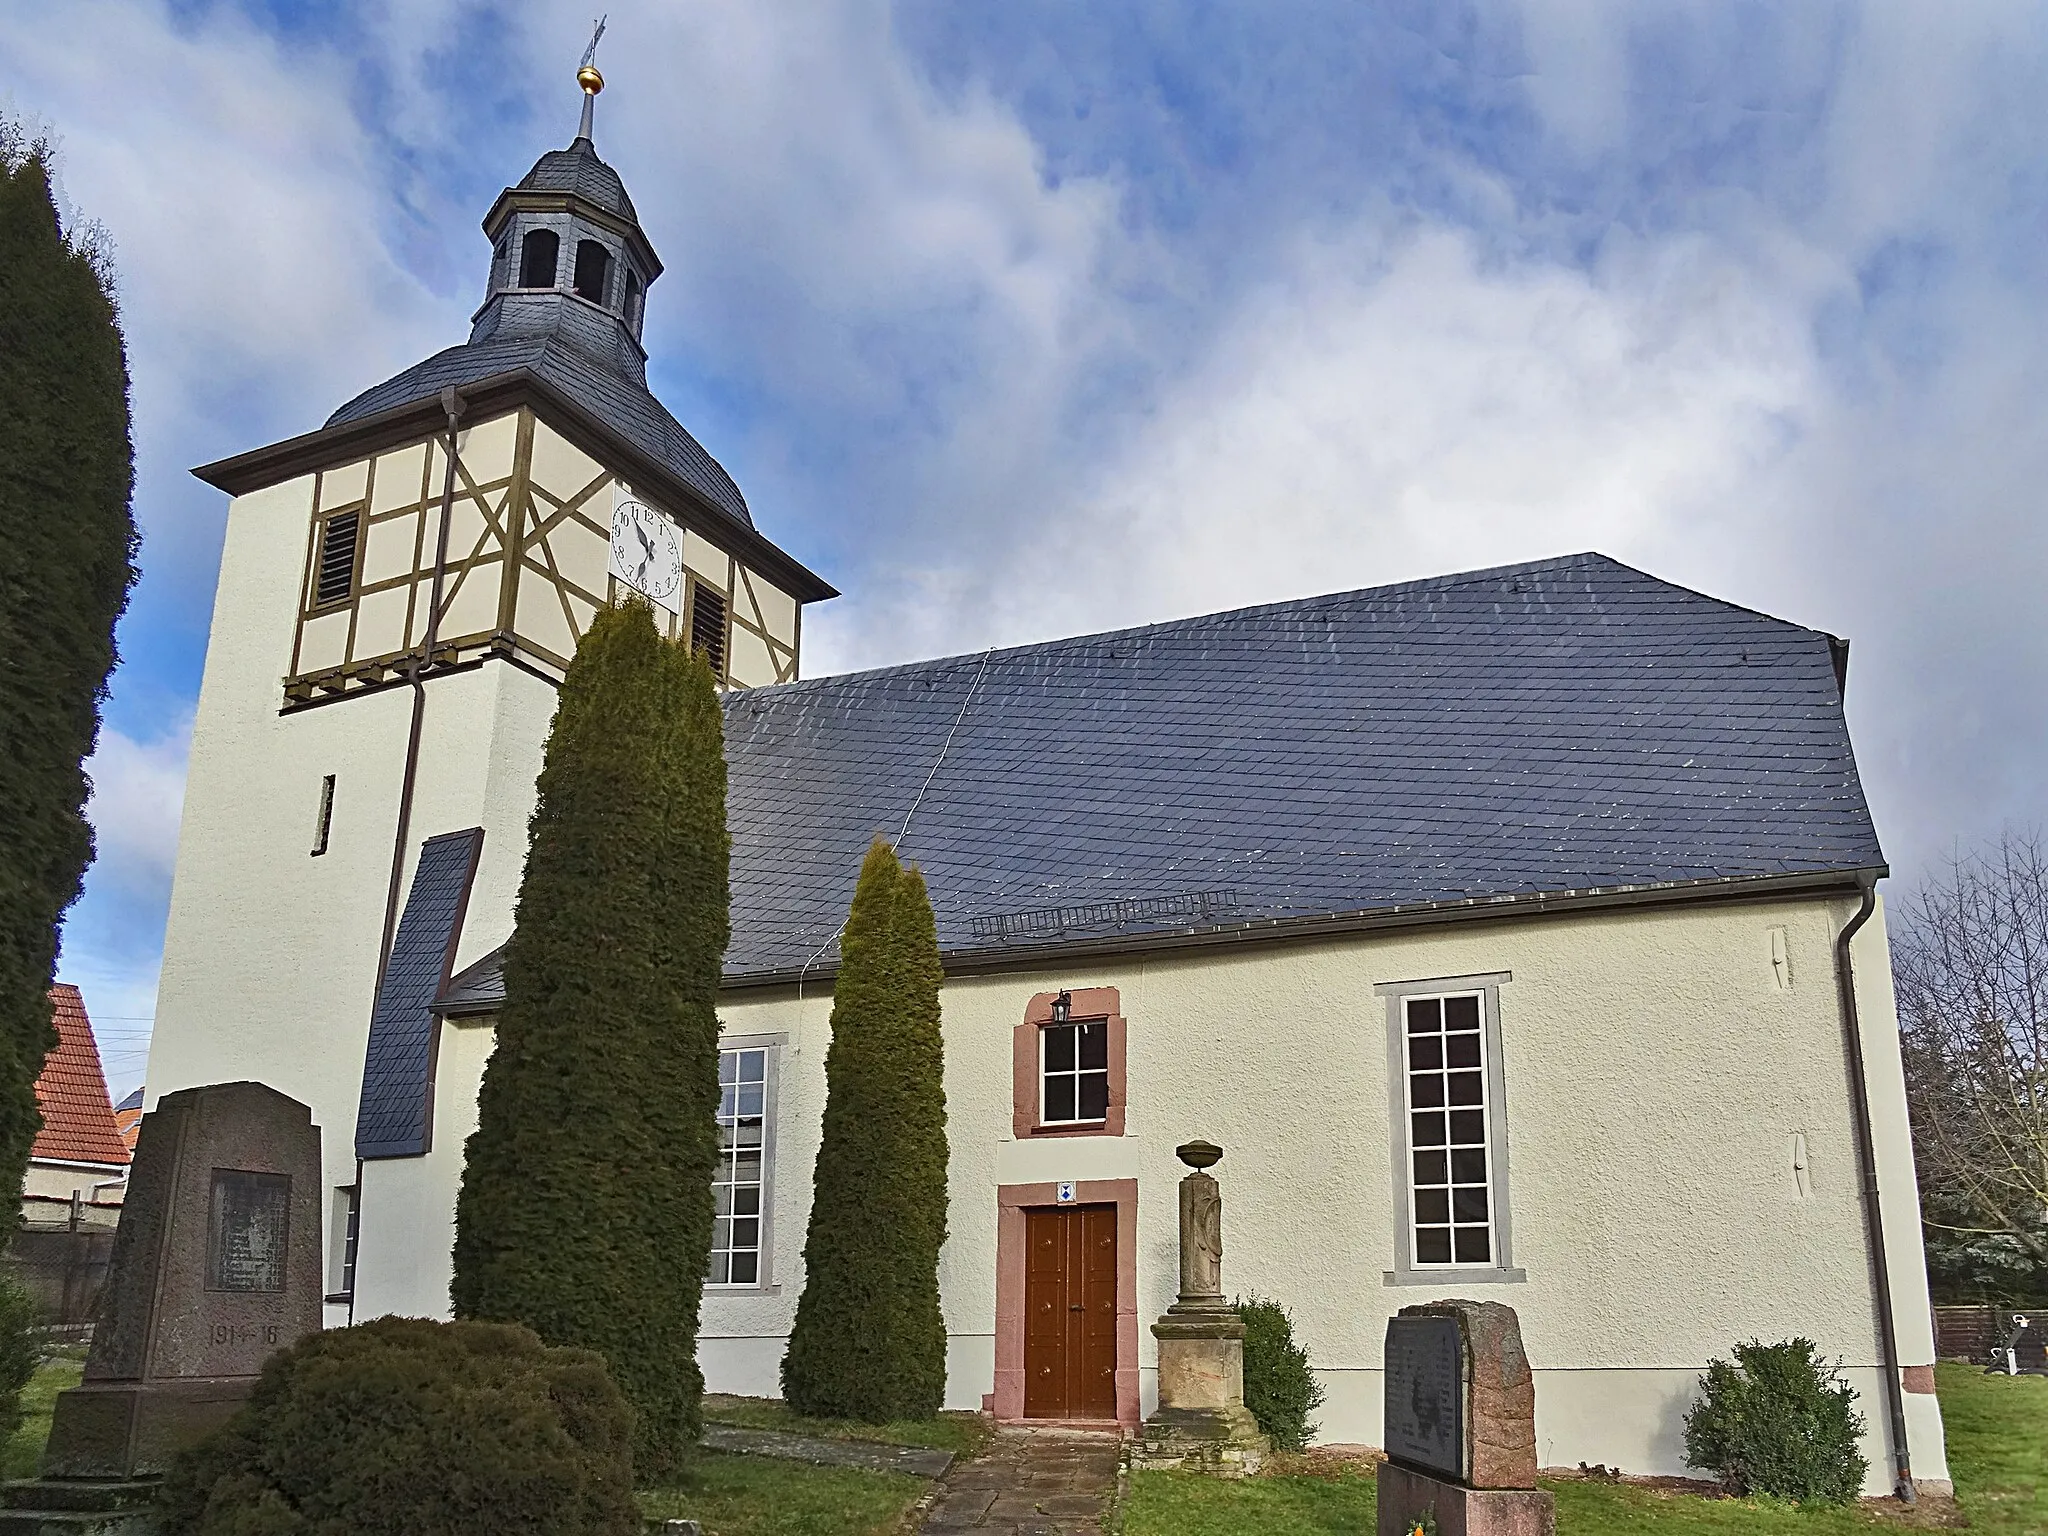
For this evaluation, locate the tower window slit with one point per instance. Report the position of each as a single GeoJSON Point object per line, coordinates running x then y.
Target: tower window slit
{"type": "Point", "coordinates": [593, 265]}
{"type": "Point", "coordinates": [324, 823]}
{"type": "Point", "coordinates": [632, 305]}
{"type": "Point", "coordinates": [336, 577]}
{"type": "Point", "coordinates": [707, 627]}
{"type": "Point", "coordinates": [539, 255]}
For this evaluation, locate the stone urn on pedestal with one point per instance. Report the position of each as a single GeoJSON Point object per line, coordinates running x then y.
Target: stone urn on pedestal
{"type": "Point", "coordinates": [1201, 1423]}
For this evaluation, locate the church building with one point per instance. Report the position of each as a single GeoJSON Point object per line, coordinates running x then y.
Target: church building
{"type": "Point", "coordinates": [1514, 932]}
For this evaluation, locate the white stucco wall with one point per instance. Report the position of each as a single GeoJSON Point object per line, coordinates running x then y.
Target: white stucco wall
{"type": "Point", "coordinates": [1656, 1076]}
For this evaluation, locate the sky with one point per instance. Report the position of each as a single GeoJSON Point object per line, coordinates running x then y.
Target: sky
{"type": "Point", "coordinates": [1035, 319]}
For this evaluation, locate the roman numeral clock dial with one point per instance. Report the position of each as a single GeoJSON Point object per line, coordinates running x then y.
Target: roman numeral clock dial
{"type": "Point", "coordinates": [647, 554]}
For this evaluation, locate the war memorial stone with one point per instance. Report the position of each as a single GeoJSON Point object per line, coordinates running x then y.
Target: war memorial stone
{"type": "Point", "coordinates": [1460, 1424]}
{"type": "Point", "coordinates": [1201, 1422]}
{"type": "Point", "coordinates": [216, 1266]}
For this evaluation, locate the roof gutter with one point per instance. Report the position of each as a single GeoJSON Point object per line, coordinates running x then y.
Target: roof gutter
{"type": "Point", "coordinates": [1873, 1208]}
{"type": "Point", "coordinates": [1669, 893]}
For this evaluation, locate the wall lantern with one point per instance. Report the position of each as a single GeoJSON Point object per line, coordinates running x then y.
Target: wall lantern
{"type": "Point", "coordinates": [1062, 1006]}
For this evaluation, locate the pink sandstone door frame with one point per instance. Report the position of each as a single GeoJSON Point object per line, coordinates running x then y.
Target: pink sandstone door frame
{"type": "Point", "coordinates": [1012, 1201]}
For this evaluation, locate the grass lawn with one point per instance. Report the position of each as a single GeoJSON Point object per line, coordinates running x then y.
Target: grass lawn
{"type": "Point", "coordinates": [754, 1496]}
{"type": "Point", "coordinates": [1997, 1450]}
{"type": "Point", "coordinates": [38, 1400]}
{"type": "Point", "coordinates": [964, 1434]}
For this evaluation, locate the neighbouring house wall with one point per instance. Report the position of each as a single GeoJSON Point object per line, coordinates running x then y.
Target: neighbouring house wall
{"type": "Point", "coordinates": [1656, 1075]}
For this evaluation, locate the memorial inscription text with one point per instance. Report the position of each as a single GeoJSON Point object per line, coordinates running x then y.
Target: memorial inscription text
{"type": "Point", "coordinates": [247, 1229]}
{"type": "Point", "coordinates": [1425, 1401]}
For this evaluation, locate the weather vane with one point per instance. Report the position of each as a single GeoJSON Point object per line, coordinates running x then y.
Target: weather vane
{"type": "Point", "coordinates": [591, 81]}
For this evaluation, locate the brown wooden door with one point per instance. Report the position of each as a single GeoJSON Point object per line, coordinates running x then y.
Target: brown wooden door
{"type": "Point", "coordinates": [1070, 1312]}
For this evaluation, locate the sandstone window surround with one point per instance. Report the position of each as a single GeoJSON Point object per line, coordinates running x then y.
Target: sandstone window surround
{"type": "Point", "coordinates": [1032, 1053]}
{"type": "Point", "coordinates": [1447, 1128]}
{"type": "Point", "coordinates": [743, 1185]}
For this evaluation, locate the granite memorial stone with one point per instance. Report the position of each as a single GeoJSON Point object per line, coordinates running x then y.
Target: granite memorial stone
{"type": "Point", "coordinates": [1201, 1422]}
{"type": "Point", "coordinates": [216, 1266]}
{"type": "Point", "coordinates": [1460, 1424]}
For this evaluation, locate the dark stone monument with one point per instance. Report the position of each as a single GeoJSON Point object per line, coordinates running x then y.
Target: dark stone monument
{"type": "Point", "coordinates": [216, 1265]}
{"type": "Point", "coordinates": [1460, 1424]}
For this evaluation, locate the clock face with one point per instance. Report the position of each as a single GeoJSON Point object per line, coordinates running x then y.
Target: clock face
{"type": "Point", "coordinates": [647, 555]}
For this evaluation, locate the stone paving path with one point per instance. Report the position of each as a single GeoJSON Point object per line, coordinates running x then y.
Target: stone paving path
{"type": "Point", "coordinates": [1031, 1482]}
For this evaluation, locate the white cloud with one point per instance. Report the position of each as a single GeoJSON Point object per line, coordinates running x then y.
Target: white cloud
{"type": "Point", "coordinates": [138, 792]}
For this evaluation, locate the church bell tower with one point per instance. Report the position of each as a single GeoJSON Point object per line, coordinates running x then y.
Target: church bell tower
{"type": "Point", "coordinates": [400, 592]}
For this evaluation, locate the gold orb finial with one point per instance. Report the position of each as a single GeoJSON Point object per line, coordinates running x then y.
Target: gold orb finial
{"type": "Point", "coordinates": [591, 81]}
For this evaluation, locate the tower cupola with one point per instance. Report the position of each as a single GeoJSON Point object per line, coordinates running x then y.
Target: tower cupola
{"type": "Point", "coordinates": [568, 256]}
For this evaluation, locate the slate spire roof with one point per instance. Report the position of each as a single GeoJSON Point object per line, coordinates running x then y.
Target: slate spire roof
{"type": "Point", "coordinates": [1560, 727]}
{"type": "Point", "coordinates": [588, 351]}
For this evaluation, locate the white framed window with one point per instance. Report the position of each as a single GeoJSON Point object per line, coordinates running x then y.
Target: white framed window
{"type": "Point", "coordinates": [743, 1181]}
{"type": "Point", "coordinates": [1447, 1108]}
{"type": "Point", "coordinates": [1073, 1073]}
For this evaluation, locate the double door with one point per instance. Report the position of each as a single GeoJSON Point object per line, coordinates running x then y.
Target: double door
{"type": "Point", "coordinates": [1070, 1312]}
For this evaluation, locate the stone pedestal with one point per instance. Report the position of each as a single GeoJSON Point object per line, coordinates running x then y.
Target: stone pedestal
{"type": "Point", "coordinates": [216, 1266]}
{"type": "Point", "coordinates": [1406, 1495]}
{"type": "Point", "coordinates": [1201, 1423]}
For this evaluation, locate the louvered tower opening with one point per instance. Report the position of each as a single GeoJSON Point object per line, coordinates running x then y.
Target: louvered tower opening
{"type": "Point", "coordinates": [707, 627]}
{"type": "Point", "coordinates": [337, 574]}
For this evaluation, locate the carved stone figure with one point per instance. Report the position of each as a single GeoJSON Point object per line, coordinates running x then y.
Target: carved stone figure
{"type": "Point", "coordinates": [1201, 1239]}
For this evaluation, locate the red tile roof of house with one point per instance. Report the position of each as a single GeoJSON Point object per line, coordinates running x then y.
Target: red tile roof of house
{"type": "Point", "coordinates": [78, 1118]}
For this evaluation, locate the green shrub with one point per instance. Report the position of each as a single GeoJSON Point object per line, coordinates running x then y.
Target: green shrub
{"type": "Point", "coordinates": [585, 1209]}
{"type": "Point", "coordinates": [403, 1426]}
{"type": "Point", "coordinates": [869, 1341]}
{"type": "Point", "coordinates": [21, 1349]}
{"type": "Point", "coordinates": [1779, 1420]}
{"type": "Point", "coordinates": [1279, 1387]}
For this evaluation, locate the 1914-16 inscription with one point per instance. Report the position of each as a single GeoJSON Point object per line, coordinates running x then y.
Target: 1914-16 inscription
{"type": "Point", "coordinates": [1425, 1387]}
{"type": "Point", "coordinates": [248, 1230]}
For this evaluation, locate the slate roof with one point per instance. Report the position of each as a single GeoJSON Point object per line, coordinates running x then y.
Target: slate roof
{"type": "Point", "coordinates": [1562, 726]}
{"type": "Point", "coordinates": [578, 171]}
{"type": "Point", "coordinates": [622, 404]}
{"type": "Point", "coordinates": [71, 1091]}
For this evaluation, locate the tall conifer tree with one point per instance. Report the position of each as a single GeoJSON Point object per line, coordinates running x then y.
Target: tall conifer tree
{"type": "Point", "coordinates": [585, 1209]}
{"type": "Point", "coordinates": [67, 552]}
{"type": "Point", "coordinates": [869, 1341]}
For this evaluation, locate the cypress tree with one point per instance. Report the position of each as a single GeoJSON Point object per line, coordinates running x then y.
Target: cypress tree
{"type": "Point", "coordinates": [67, 550]}
{"type": "Point", "coordinates": [585, 1210]}
{"type": "Point", "coordinates": [869, 1341]}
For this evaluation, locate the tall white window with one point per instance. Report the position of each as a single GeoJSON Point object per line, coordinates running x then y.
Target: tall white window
{"type": "Point", "coordinates": [739, 1239]}
{"type": "Point", "coordinates": [1450, 1185]}
{"type": "Point", "coordinates": [1446, 1103]}
{"type": "Point", "coordinates": [1074, 1073]}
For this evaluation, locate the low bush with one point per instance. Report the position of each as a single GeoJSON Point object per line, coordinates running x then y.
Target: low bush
{"type": "Point", "coordinates": [403, 1426]}
{"type": "Point", "coordinates": [1778, 1420]}
{"type": "Point", "coordinates": [21, 1349]}
{"type": "Point", "coordinates": [1279, 1387]}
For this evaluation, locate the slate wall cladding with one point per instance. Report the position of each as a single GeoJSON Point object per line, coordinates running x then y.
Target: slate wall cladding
{"type": "Point", "coordinates": [393, 1117]}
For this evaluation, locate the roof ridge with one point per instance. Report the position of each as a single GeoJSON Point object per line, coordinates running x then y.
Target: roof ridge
{"type": "Point", "coordinates": [1581, 559]}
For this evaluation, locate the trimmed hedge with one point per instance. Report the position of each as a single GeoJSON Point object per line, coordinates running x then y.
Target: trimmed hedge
{"type": "Point", "coordinates": [402, 1426]}
{"type": "Point", "coordinates": [1279, 1387]}
{"type": "Point", "coordinates": [585, 1210]}
{"type": "Point", "coordinates": [869, 1341]}
{"type": "Point", "coordinates": [1778, 1420]}
{"type": "Point", "coordinates": [67, 552]}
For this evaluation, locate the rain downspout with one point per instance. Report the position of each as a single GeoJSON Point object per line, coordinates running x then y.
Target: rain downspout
{"type": "Point", "coordinates": [1873, 1210]}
